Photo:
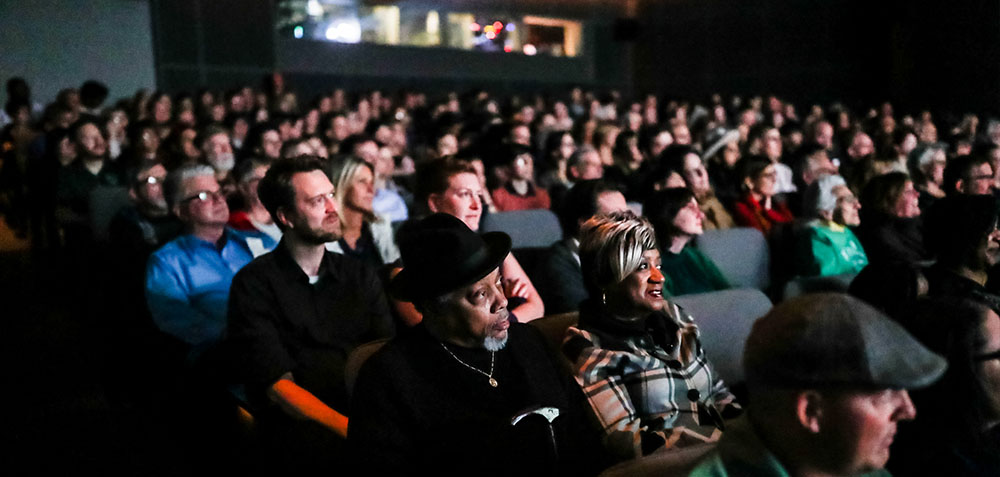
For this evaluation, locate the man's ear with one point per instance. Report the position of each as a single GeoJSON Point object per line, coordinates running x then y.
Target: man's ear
{"type": "Point", "coordinates": [432, 202]}
{"type": "Point", "coordinates": [282, 218]}
{"type": "Point", "coordinates": [179, 211]}
{"type": "Point", "coordinates": [826, 215]}
{"type": "Point", "coordinates": [809, 410]}
{"type": "Point", "coordinates": [959, 184]}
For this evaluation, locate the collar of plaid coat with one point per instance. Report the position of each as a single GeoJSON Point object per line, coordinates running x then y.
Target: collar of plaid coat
{"type": "Point", "coordinates": [656, 329]}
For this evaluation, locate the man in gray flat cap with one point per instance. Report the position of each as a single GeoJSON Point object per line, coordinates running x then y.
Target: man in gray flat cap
{"type": "Point", "coordinates": [827, 376]}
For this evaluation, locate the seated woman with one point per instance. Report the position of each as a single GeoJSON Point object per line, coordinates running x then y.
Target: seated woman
{"type": "Point", "coordinates": [759, 208]}
{"type": "Point", "coordinates": [452, 186]}
{"type": "Point", "coordinates": [686, 160]}
{"type": "Point", "coordinates": [677, 219]}
{"type": "Point", "coordinates": [957, 431]}
{"type": "Point", "coordinates": [891, 229]}
{"type": "Point", "coordinates": [366, 236]}
{"type": "Point", "coordinates": [637, 356]}
{"type": "Point", "coordinates": [829, 247]}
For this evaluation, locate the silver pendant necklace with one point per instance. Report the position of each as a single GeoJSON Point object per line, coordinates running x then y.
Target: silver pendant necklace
{"type": "Point", "coordinates": [493, 355]}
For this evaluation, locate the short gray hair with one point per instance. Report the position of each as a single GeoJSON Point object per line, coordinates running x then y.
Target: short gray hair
{"type": "Point", "coordinates": [173, 186]}
{"type": "Point", "coordinates": [611, 248]}
{"type": "Point", "coordinates": [819, 197]}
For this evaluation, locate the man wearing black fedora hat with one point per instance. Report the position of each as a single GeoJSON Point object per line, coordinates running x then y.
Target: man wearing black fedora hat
{"type": "Point", "coordinates": [465, 391]}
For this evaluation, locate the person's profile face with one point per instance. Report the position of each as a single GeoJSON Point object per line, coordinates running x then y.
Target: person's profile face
{"type": "Point", "coordinates": [315, 217]}
{"type": "Point", "coordinates": [590, 167]}
{"type": "Point", "coordinates": [695, 174]}
{"type": "Point", "coordinates": [461, 199]}
{"type": "Point", "coordinates": [908, 203]}
{"type": "Point", "coordinates": [980, 181]}
{"type": "Point", "coordinates": [150, 189]}
{"type": "Point", "coordinates": [202, 202]}
{"type": "Point", "coordinates": [91, 141]}
{"type": "Point", "coordinates": [361, 191]}
{"type": "Point", "coordinates": [479, 315]}
{"type": "Point", "coordinates": [641, 292]}
{"type": "Point", "coordinates": [766, 181]}
{"type": "Point", "coordinates": [688, 220]}
{"type": "Point", "coordinates": [857, 428]}
{"type": "Point", "coordinates": [848, 206]}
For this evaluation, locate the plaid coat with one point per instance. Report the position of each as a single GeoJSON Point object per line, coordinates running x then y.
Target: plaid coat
{"type": "Point", "coordinates": [649, 383]}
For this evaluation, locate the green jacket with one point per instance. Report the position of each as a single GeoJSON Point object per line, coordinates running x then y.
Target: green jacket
{"type": "Point", "coordinates": [827, 250]}
{"type": "Point", "coordinates": [740, 453]}
{"type": "Point", "coordinates": [691, 271]}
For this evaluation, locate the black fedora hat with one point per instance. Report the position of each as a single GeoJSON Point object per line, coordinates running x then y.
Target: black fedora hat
{"type": "Point", "coordinates": [441, 254]}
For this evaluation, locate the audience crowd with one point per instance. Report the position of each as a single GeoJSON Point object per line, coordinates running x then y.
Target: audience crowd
{"type": "Point", "coordinates": [259, 238]}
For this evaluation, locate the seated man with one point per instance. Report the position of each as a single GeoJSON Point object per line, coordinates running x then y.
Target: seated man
{"type": "Point", "coordinates": [560, 280]}
{"type": "Point", "coordinates": [961, 231]}
{"type": "Point", "coordinates": [466, 381]}
{"type": "Point", "coordinates": [188, 279]}
{"type": "Point", "coordinates": [827, 376]}
{"type": "Point", "coordinates": [297, 313]}
{"type": "Point", "coordinates": [136, 232]}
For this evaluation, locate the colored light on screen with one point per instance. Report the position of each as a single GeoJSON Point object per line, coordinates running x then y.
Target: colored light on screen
{"type": "Point", "coordinates": [508, 49]}
{"type": "Point", "coordinates": [530, 49]}
{"type": "Point", "coordinates": [497, 26]}
{"type": "Point", "coordinates": [490, 35]}
{"type": "Point", "coordinates": [474, 27]}
{"type": "Point", "coordinates": [510, 27]}
{"type": "Point", "coordinates": [298, 31]}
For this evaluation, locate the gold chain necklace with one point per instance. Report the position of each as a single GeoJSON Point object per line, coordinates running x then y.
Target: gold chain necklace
{"type": "Point", "coordinates": [493, 356]}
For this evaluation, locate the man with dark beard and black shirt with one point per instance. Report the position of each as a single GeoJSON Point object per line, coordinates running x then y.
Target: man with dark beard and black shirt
{"type": "Point", "coordinates": [296, 313]}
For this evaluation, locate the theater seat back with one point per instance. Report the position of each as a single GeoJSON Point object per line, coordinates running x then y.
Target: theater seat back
{"type": "Point", "coordinates": [725, 318]}
{"type": "Point", "coordinates": [741, 253]}
{"type": "Point", "coordinates": [527, 228]}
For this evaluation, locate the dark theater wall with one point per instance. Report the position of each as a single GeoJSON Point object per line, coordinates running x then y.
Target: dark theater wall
{"type": "Point", "coordinates": [56, 44]}
{"type": "Point", "coordinates": [212, 43]}
{"type": "Point", "coordinates": [916, 53]}
{"type": "Point", "coordinates": [222, 43]}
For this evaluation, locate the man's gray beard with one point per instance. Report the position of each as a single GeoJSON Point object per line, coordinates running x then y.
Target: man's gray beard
{"type": "Point", "coordinates": [495, 344]}
{"type": "Point", "coordinates": [224, 162]}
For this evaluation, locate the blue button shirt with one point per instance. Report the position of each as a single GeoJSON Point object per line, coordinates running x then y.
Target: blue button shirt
{"type": "Point", "coordinates": [187, 284]}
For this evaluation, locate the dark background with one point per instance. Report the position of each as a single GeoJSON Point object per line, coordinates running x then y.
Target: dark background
{"type": "Point", "coordinates": [940, 55]}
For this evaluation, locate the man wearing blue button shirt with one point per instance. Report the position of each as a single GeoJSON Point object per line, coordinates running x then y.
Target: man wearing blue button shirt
{"type": "Point", "coordinates": [188, 279]}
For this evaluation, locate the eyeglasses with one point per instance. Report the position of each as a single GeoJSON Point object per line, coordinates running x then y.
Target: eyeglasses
{"type": "Point", "coordinates": [205, 196]}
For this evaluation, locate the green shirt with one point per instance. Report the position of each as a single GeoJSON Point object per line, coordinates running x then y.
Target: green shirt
{"type": "Point", "coordinates": [830, 250]}
{"type": "Point", "coordinates": [740, 453]}
{"type": "Point", "coordinates": [691, 271]}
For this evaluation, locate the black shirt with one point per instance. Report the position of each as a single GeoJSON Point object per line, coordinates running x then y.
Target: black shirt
{"type": "Point", "coordinates": [280, 323]}
{"type": "Point", "coordinates": [418, 411]}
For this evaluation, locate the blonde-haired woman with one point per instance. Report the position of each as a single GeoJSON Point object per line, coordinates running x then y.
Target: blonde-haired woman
{"type": "Point", "coordinates": [365, 235]}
